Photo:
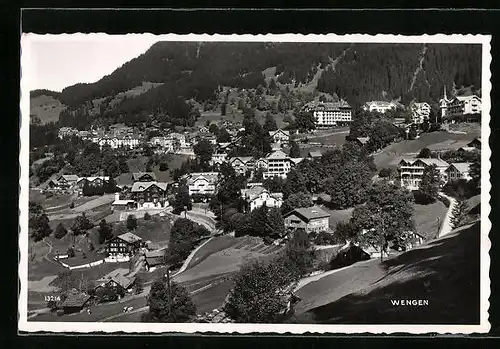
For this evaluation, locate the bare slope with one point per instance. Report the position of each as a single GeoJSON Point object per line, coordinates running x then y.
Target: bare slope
{"type": "Point", "coordinates": [444, 272]}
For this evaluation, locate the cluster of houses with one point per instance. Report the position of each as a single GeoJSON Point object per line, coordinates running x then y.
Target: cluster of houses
{"type": "Point", "coordinates": [68, 182]}
{"type": "Point", "coordinates": [411, 170]}
{"type": "Point", "coordinates": [116, 137]}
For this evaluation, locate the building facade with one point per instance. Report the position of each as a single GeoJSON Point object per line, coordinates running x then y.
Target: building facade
{"type": "Point", "coordinates": [307, 218]}
{"type": "Point", "coordinates": [412, 170]}
{"type": "Point", "coordinates": [379, 106]}
{"type": "Point", "coordinates": [124, 245]}
{"type": "Point", "coordinates": [278, 164]}
{"type": "Point", "coordinates": [464, 105]}
{"type": "Point", "coordinates": [202, 183]}
{"type": "Point", "coordinates": [257, 196]}
{"type": "Point", "coordinates": [458, 170]}
{"type": "Point", "coordinates": [420, 112]}
{"type": "Point", "coordinates": [280, 136]}
{"type": "Point", "coordinates": [149, 194]}
{"type": "Point", "coordinates": [330, 114]}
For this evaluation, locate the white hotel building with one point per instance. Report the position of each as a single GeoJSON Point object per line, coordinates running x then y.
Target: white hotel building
{"type": "Point", "coordinates": [278, 164]}
{"type": "Point", "coordinates": [379, 106]}
{"type": "Point", "coordinates": [330, 114]}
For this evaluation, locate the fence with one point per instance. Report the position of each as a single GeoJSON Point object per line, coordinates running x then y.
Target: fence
{"type": "Point", "coordinates": [73, 267]}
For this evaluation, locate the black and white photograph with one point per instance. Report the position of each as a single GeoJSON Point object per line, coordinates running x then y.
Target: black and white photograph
{"type": "Point", "coordinates": [241, 183]}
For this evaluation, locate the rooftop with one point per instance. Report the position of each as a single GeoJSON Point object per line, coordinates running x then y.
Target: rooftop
{"type": "Point", "coordinates": [76, 299]}
{"type": "Point", "coordinates": [137, 175]}
{"type": "Point", "coordinates": [129, 237]}
{"type": "Point", "coordinates": [309, 213]}
{"type": "Point", "coordinates": [462, 167]}
{"type": "Point", "coordinates": [141, 186]}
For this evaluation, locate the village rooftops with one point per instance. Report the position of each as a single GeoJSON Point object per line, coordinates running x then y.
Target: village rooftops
{"type": "Point", "coordinates": [129, 237]}
{"type": "Point", "coordinates": [243, 159]}
{"type": "Point", "coordinates": [256, 191]}
{"type": "Point", "coordinates": [209, 176]}
{"type": "Point", "coordinates": [427, 161]}
{"type": "Point", "coordinates": [139, 187]}
{"type": "Point", "coordinates": [155, 257]}
{"type": "Point", "coordinates": [363, 140]}
{"type": "Point", "coordinates": [69, 178]}
{"type": "Point", "coordinates": [136, 176]}
{"type": "Point", "coordinates": [75, 299]}
{"type": "Point", "coordinates": [462, 167]}
{"type": "Point", "coordinates": [277, 155]}
{"type": "Point", "coordinates": [309, 213]}
{"type": "Point", "coordinates": [315, 154]}
{"type": "Point", "coordinates": [91, 179]}
{"type": "Point", "coordinates": [285, 132]}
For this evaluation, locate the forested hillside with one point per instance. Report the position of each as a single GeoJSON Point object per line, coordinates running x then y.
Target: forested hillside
{"type": "Point", "coordinates": [183, 71]}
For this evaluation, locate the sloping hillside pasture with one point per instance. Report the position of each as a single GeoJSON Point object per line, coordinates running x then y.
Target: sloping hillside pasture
{"type": "Point", "coordinates": [47, 108]}
{"type": "Point", "coordinates": [392, 154]}
{"type": "Point", "coordinates": [445, 272]}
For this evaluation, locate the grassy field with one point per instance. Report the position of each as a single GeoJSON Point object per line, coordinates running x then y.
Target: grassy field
{"type": "Point", "coordinates": [426, 218]}
{"type": "Point", "coordinates": [446, 273]}
{"type": "Point", "coordinates": [47, 108]}
{"type": "Point", "coordinates": [391, 155]}
{"type": "Point", "coordinates": [139, 163]}
{"type": "Point", "coordinates": [215, 245]}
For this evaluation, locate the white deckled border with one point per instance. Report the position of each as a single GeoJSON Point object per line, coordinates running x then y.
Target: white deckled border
{"type": "Point", "coordinates": [86, 327]}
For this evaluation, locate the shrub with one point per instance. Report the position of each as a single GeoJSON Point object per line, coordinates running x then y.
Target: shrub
{"type": "Point", "coordinates": [325, 238]}
{"type": "Point", "coordinates": [147, 216]}
{"type": "Point", "coordinates": [384, 173]}
{"type": "Point", "coordinates": [72, 205]}
{"type": "Point", "coordinates": [70, 252]}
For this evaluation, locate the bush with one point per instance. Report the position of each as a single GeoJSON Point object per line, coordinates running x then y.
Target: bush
{"type": "Point", "coordinates": [163, 167]}
{"type": "Point", "coordinates": [384, 173]}
{"type": "Point", "coordinates": [72, 205]}
{"type": "Point", "coordinates": [324, 238]}
{"type": "Point", "coordinates": [147, 216]}
{"type": "Point", "coordinates": [70, 252]}
{"type": "Point", "coordinates": [444, 200]}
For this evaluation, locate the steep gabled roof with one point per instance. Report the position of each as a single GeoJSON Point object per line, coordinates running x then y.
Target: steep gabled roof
{"type": "Point", "coordinates": [139, 187]}
{"type": "Point", "coordinates": [76, 299]}
{"type": "Point", "coordinates": [308, 213]}
{"type": "Point", "coordinates": [462, 167]}
{"type": "Point", "coordinates": [211, 177]}
{"type": "Point", "coordinates": [129, 237]}
{"type": "Point", "coordinates": [138, 175]}
{"type": "Point", "coordinates": [278, 154]}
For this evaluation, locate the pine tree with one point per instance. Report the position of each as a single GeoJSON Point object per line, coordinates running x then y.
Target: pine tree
{"type": "Point", "coordinates": [60, 231]}
{"type": "Point", "coordinates": [430, 183]}
{"type": "Point", "coordinates": [459, 213]}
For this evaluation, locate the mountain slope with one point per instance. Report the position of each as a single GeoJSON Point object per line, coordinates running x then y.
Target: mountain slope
{"type": "Point", "coordinates": [180, 71]}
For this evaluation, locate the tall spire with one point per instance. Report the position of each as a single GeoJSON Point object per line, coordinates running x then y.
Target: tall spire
{"type": "Point", "coordinates": [445, 93]}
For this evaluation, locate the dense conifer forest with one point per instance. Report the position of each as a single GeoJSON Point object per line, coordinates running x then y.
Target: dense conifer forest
{"type": "Point", "coordinates": [193, 71]}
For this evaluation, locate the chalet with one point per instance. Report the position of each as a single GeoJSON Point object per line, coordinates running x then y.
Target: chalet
{"type": "Point", "coordinates": [92, 181]}
{"type": "Point", "coordinates": [218, 158]}
{"type": "Point", "coordinates": [420, 112]}
{"type": "Point", "coordinates": [149, 194]}
{"type": "Point", "coordinates": [278, 164]}
{"type": "Point", "coordinates": [307, 218]}
{"type": "Point", "coordinates": [75, 301]}
{"type": "Point", "coordinates": [154, 259]}
{"type": "Point", "coordinates": [412, 170]}
{"type": "Point", "coordinates": [379, 106]}
{"type": "Point", "coordinates": [144, 177]}
{"type": "Point", "coordinates": [476, 143]}
{"type": "Point", "coordinates": [280, 136]}
{"type": "Point", "coordinates": [67, 132]}
{"type": "Point", "coordinates": [124, 245]}
{"type": "Point", "coordinates": [117, 280]}
{"type": "Point", "coordinates": [458, 170]}
{"type": "Point", "coordinates": [314, 154]}
{"type": "Point", "coordinates": [122, 205]}
{"type": "Point", "coordinates": [67, 180]}
{"type": "Point", "coordinates": [257, 196]}
{"type": "Point", "coordinates": [242, 164]}
{"type": "Point", "coordinates": [203, 183]}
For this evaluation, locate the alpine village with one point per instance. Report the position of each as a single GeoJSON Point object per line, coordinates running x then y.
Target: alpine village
{"type": "Point", "coordinates": [260, 183]}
